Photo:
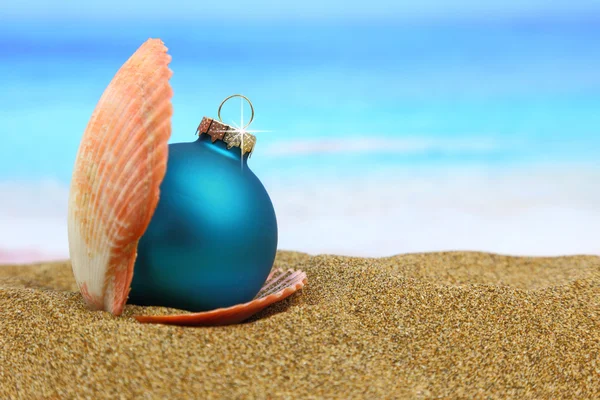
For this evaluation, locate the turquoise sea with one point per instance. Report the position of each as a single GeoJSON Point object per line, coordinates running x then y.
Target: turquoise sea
{"type": "Point", "coordinates": [408, 105]}
{"type": "Point", "coordinates": [489, 92]}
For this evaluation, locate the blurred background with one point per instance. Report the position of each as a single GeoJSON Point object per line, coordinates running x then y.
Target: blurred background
{"type": "Point", "coordinates": [394, 127]}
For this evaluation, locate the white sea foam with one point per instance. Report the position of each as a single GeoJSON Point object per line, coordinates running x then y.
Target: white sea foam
{"type": "Point", "coordinates": [518, 212]}
{"type": "Point", "coordinates": [373, 143]}
{"type": "Point", "coordinates": [521, 212]}
{"type": "Point", "coordinates": [33, 221]}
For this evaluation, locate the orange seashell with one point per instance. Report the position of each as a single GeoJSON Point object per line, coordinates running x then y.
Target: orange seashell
{"type": "Point", "coordinates": [278, 286]}
{"type": "Point", "coordinates": [120, 164]}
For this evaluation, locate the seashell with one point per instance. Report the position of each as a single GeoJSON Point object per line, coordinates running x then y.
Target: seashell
{"type": "Point", "coordinates": [278, 286]}
{"type": "Point", "coordinates": [118, 170]}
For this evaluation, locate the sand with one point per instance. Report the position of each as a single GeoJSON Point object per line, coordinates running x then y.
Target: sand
{"type": "Point", "coordinates": [449, 325]}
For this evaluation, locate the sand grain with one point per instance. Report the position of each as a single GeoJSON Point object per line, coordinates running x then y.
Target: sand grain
{"type": "Point", "coordinates": [413, 326]}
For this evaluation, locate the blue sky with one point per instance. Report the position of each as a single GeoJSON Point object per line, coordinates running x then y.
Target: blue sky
{"type": "Point", "coordinates": [269, 9]}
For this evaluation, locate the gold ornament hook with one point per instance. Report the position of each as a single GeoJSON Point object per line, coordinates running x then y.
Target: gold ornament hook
{"type": "Point", "coordinates": [243, 97]}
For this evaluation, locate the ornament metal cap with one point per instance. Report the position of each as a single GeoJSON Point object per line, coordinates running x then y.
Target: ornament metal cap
{"type": "Point", "coordinates": [233, 137]}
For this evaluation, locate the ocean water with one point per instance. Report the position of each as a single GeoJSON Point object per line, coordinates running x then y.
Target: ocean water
{"type": "Point", "coordinates": [381, 138]}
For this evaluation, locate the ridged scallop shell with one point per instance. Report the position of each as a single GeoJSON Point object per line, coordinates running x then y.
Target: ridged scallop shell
{"type": "Point", "coordinates": [279, 285]}
{"type": "Point", "coordinates": [120, 164]}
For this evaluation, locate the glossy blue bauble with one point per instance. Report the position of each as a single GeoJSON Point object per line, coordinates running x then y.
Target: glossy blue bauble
{"type": "Point", "coordinates": [213, 238]}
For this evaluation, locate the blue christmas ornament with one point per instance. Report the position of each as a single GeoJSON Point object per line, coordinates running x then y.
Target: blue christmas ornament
{"type": "Point", "coordinates": [212, 240]}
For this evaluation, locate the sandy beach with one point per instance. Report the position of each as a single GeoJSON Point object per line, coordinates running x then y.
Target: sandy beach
{"type": "Point", "coordinates": [451, 325]}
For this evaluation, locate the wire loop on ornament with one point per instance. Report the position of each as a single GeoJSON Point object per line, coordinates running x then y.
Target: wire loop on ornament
{"type": "Point", "coordinates": [243, 97]}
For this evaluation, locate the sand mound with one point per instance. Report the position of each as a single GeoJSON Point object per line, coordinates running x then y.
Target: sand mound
{"type": "Point", "coordinates": [413, 326]}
